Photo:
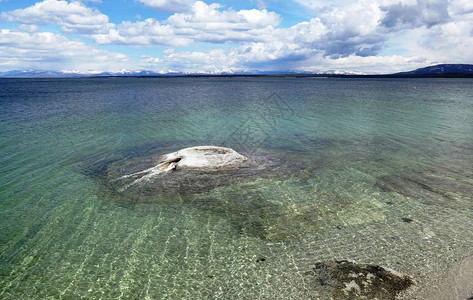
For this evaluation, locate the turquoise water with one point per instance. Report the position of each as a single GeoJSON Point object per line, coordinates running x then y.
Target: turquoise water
{"type": "Point", "coordinates": [377, 171]}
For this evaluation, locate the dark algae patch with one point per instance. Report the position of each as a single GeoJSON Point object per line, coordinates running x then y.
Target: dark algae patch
{"type": "Point", "coordinates": [261, 259]}
{"type": "Point", "coordinates": [347, 280]}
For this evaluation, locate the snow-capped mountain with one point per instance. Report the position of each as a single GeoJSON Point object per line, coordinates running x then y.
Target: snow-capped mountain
{"type": "Point", "coordinates": [446, 70]}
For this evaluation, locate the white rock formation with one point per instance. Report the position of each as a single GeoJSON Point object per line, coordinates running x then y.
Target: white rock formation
{"type": "Point", "coordinates": [202, 157]}
{"type": "Point", "coordinates": [209, 158]}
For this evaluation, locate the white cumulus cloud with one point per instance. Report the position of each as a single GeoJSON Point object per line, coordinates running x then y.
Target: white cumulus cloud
{"type": "Point", "coordinates": [72, 17]}
{"type": "Point", "coordinates": [204, 23]}
{"type": "Point", "coordinates": [208, 23]}
{"type": "Point", "coordinates": [142, 33]}
{"type": "Point", "coordinates": [209, 17]}
{"type": "Point", "coordinates": [49, 51]}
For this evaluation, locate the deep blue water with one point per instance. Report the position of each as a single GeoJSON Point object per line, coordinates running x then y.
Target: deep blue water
{"type": "Point", "coordinates": [384, 176]}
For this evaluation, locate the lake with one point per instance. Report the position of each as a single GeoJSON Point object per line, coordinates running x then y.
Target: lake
{"type": "Point", "coordinates": [374, 171]}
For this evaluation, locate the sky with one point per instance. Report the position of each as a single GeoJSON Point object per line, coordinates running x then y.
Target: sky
{"type": "Point", "coordinates": [214, 36]}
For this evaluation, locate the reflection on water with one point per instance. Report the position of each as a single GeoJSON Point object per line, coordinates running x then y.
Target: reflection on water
{"type": "Point", "coordinates": [370, 171]}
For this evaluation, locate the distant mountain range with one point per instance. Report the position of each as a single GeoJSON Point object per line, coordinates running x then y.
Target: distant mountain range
{"type": "Point", "coordinates": [74, 74]}
{"type": "Point", "coordinates": [147, 73]}
{"type": "Point", "coordinates": [443, 70]}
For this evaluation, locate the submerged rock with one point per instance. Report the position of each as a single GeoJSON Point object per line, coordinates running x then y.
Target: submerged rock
{"type": "Point", "coordinates": [239, 187]}
{"type": "Point", "coordinates": [347, 280]}
{"type": "Point", "coordinates": [189, 170]}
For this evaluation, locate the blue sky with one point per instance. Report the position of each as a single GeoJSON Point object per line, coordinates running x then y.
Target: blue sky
{"type": "Point", "coordinates": [366, 36]}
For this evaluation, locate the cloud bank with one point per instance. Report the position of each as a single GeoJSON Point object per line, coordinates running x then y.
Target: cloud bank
{"type": "Point", "coordinates": [367, 36]}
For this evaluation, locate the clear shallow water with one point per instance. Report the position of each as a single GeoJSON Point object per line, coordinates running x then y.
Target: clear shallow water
{"type": "Point", "coordinates": [384, 175]}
